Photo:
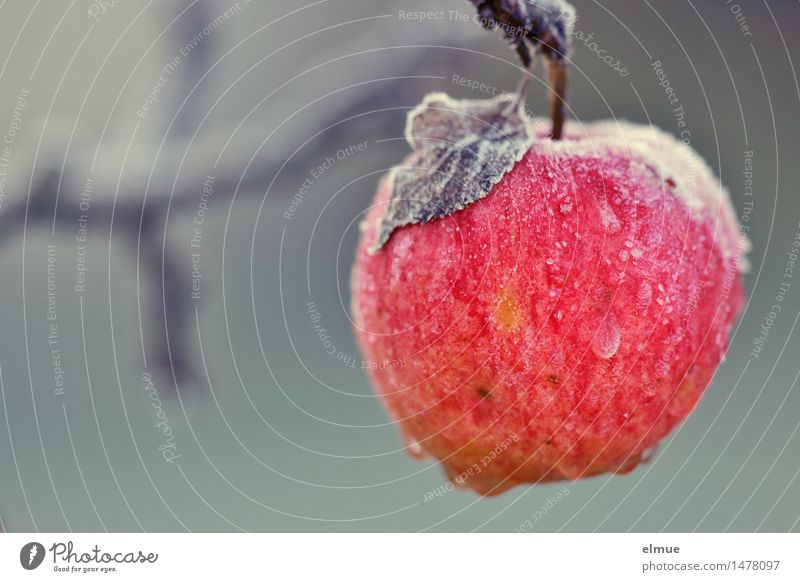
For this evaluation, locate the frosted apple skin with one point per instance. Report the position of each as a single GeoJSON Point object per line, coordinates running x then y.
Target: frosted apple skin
{"type": "Point", "coordinates": [563, 325]}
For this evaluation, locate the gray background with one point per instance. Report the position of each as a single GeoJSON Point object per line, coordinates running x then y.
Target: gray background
{"type": "Point", "coordinates": [273, 433]}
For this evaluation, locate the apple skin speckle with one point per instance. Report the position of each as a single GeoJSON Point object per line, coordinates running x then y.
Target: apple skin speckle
{"type": "Point", "coordinates": [577, 312]}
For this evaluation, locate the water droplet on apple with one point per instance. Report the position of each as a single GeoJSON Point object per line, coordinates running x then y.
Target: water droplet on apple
{"type": "Point", "coordinates": [606, 340]}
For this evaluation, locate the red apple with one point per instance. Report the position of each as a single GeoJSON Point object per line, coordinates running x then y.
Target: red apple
{"type": "Point", "coordinates": [565, 323]}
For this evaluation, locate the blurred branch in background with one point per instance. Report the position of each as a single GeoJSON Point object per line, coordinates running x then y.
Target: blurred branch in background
{"type": "Point", "coordinates": [137, 205]}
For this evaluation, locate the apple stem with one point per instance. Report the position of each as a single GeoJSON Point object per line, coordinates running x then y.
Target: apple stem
{"type": "Point", "coordinates": [557, 74]}
{"type": "Point", "coordinates": [522, 87]}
